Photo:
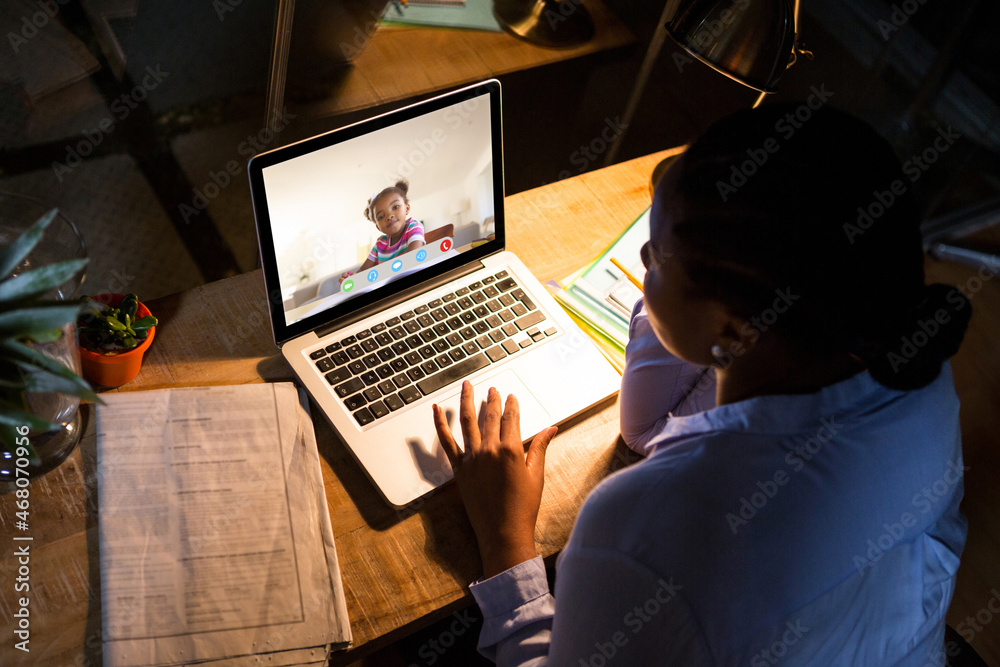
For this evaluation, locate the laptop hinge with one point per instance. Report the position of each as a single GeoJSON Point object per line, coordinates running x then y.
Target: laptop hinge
{"type": "Point", "coordinates": [399, 298]}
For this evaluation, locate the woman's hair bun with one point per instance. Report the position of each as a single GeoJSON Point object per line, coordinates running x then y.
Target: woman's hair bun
{"type": "Point", "coordinates": [914, 357]}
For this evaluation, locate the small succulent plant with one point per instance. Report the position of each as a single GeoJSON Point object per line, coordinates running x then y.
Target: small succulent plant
{"type": "Point", "coordinates": [114, 328]}
{"type": "Point", "coordinates": [27, 317]}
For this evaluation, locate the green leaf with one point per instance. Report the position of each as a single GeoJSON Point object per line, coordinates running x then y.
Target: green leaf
{"type": "Point", "coordinates": [40, 280]}
{"type": "Point", "coordinates": [115, 324]}
{"type": "Point", "coordinates": [145, 323]}
{"type": "Point", "coordinates": [32, 360]}
{"type": "Point", "coordinates": [129, 304]}
{"type": "Point", "coordinates": [19, 249]}
{"type": "Point", "coordinates": [27, 322]}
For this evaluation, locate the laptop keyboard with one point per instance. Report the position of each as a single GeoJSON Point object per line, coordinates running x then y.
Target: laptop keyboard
{"type": "Point", "coordinates": [383, 368]}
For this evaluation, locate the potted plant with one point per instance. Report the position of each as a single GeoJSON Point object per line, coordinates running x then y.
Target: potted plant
{"type": "Point", "coordinates": [115, 331]}
{"type": "Point", "coordinates": [39, 393]}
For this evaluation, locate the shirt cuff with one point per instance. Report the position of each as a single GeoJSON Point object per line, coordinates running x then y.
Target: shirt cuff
{"type": "Point", "coordinates": [501, 594]}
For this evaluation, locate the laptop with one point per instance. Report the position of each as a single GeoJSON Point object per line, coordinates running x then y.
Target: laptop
{"type": "Point", "coordinates": [376, 344]}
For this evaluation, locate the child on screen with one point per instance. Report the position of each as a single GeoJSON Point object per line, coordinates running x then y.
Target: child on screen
{"type": "Point", "coordinates": [390, 211]}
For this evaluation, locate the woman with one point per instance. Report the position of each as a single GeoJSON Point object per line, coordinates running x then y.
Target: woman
{"type": "Point", "coordinates": [811, 515]}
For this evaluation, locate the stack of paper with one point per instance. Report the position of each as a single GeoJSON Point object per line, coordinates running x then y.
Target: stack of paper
{"type": "Point", "coordinates": [599, 297]}
{"type": "Point", "coordinates": [215, 539]}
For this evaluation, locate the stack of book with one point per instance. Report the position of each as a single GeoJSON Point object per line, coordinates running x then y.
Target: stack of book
{"type": "Point", "coordinates": [600, 296]}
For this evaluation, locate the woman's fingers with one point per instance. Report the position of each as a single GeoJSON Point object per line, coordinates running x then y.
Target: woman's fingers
{"type": "Point", "coordinates": [535, 460]}
{"type": "Point", "coordinates": [444, 435]}
{"type": "Point", "coordinates": [467, 418]}
{"type": "Point", "coordinates": [491, 420]}
{"type": "Point", "coordinates": [510, 424]}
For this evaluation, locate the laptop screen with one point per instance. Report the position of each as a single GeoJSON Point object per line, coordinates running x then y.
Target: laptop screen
{"type": "Point", "coordinates": [350, 217]}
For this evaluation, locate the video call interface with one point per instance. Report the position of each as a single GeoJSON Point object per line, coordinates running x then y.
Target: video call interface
{"type": "Point", "coordinates": [329, 251]}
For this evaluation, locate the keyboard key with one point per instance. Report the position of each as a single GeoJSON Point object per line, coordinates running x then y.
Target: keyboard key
{"type": "Point", "coordinates": [427, 352]}
{"type": "Point", "coordinates": [452, 308]}
{"type": "Point", "coordinates": [429, 367]}
{"type": "Point", "coordinates": [497, 335]}
{"type": "Point", "coordinates": [408, 315]}
{"type": "Point", "coordinates": [383, 338]}
{"type": "Point", "coordinates": [518, 294]}
{"type": "Point", "coordinates": [379, 327]}
{"type": "Point", "coordinates": [496, 353]}
{"type": "Point", "coordinates": [480, 326]}
{"type": "Point", "coordinates": [369, 378]}
{"type": "Point", "coordinates": [350, 340]}
{"type": "Point", "coordinates": [538, 337]}
{"type": "Point", "coordinates": [462, 291]}
{"type": "Point", "coordinates": [481, 311]}
{"type": "Point", "coordinates": [478, 297]}
{"type": "Point", "coordinates": [436, 303]}
{"type": "Point", "coordinates": [502, 274]}
{"type": "Point", "coordinates": [454, 339]}
{"type": "Point", "coordinates": [416, 373]}
{"type": "Point", "coordinates": [530, 320]}
{"type": "Point", "coordinates": [505, 285]}
{"type": "Point", "coordinates": [385, 354]}
{"type": "Point", "coordinates": [470, 348]}
{"type": "Point", "coordinates": [411, 326]}
{"type": "Point", "coordinates": [449, 297]}
{"type": "Point", "coordinates": [413, 358]}
{"type": "Point", "coordinates": [386, 387]}
{"type": "Point", "coordinates": [410, 394]}
{"type": "Point", "coordinates": [476, 285]}
{"type": "Point", "coordinates": [351, 386]}
{"type": "Point", "coordinates": [427, 335]}
{"type": "Point", "coordinates": [333, 347]}
{"type": "Point", "coordinates": [364, 416]}
{"type": "Point", "coordinates": [413, 342]}
{"type": "Point", "coordinates": [371, 360]}
{"type": "Point", "coordinates": [425, 320]}
{"type": "Point", "coordinates": [526, 342]}
{"type": "Point", "coordinates": [357, 367]}
{"type": "Point", "coordinates": [440, 345]}
{"type": "Point", "coordinates": [489, 279]}
{"type": "Point", "coordinates": [528, 303]}
{"type": "Point", "coordinates": [506, 315]}
{"type": "Point", "coordinates": [506, 299]}
{"type": "Point", "coordinates": [363, 334]}
{"type": "Point", "coordinates": [337, 376]}
{"type": "Point", "coordinates": [354, 402]}
{"type": "Point", "coordinates": [394, 402]}
{"type": "Point", "coordinates": [458, 371]}
{"type": "Point", "coordinates": [490, 291]}
{"type": "Point", "coordinates": [465, 303]}
{"type": "Point", "coordinates": [340, 358]}
{"type": "Point", "coordinates": [402, 380]}
{"type": "Point", "coordinates": [494, 305]}
{"type": "Point", "coordinates": [457, 354]}
{"type": "Point", "coordinates": [372, 394]}
{"type": "Point", "coordinates": [398, 364]}
{"type": "Point", "coordinates": [510, 329]}
{"type": "Point", "coordinates": [454, 324]}
{"type": "Point", "coordinates": [397, 333]}
{"type": "Point", "coordinates": [420, 310]}
{"type": "Point", "coordinates": [378, 409]}
{"type": "Point", "coordinates": [316, 354]}
{"type": "Point", "coordinates": [551, 331]}
{"type": "Point", "coordinates": [532, 331]}
{"type": "Point", "coordinates": [467, 333]}
{"type": "Point", "coordinates": [518, 309]}
{"type": "Point", "coordinates": [369, 345]}
{"type": "Point", "coordinates": [484, 342]}
{"type": "Point", "coordinates": [385, 371]}
{"type": "Point", "coordinates": [468, 316]}
{"type": "Point", "coordinates": [443, 361]}
{"type": "Point", "coordinates": [324, 365]}
{"type": "Point", "coordinates": [392, 322]}
{"type": "Point", "coordinates": [511, 346]}
{"type": "Point", "coordinates": [494, 321]}
{"type": "Point", "coordinates": [441, 329]}
{"type": "Point", "coordinates": [354, 351]}
{"type": "Point", "coordinates": [439, 314]}
{"type": "Point", "coordinates": [400, 348]}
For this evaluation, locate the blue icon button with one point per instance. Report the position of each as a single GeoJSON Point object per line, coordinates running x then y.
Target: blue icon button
{"type": "Point", "coordinates": [372, 276]}
{"type": "Point", "coordinates": [421, 255]}
{"type": "Point", "coordinates": [397, 265]}
{"type": "Point", "coordinates": [347, 286]}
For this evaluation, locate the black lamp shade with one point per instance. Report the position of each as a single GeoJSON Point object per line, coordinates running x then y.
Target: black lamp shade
{"type": "Point", "coordinates": [747, 40]}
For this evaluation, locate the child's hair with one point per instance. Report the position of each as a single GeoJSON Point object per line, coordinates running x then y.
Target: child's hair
{"type": "Point", "coordinates": [401, 187]}
{"type": "Point", "coordinates": [826, 215]}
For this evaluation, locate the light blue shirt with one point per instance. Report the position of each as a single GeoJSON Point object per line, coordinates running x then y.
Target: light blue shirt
{"type": "Point", "coordinates": [819, 529]}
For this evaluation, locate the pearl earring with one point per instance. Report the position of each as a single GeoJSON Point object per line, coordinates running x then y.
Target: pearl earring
{"type": "Point", "coordinates": [717, 352]}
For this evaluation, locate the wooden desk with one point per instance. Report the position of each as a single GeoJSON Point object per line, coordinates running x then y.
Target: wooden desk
{"type": "Point", "coordinates": [401, 569]}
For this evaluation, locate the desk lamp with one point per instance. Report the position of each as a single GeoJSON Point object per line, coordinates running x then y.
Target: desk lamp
{"type": "Point", "coordinates": [750, 41]}
{"type": "Point", "coordinates": [549, 23]}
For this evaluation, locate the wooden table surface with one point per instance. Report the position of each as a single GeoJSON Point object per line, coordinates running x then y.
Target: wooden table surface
{"type": "Point", "coordinates": [401, 569]}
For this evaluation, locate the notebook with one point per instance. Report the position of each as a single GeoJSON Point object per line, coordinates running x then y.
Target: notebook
{"type": "Point", "coordinates": [375, 344]}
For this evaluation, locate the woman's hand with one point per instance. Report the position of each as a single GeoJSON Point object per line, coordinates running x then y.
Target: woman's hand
{"type": "Point", "coordinates": [501, 487]}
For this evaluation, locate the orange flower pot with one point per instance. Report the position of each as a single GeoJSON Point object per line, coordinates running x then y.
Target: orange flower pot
{"type": "Point", "coordinates": [117, 368]}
